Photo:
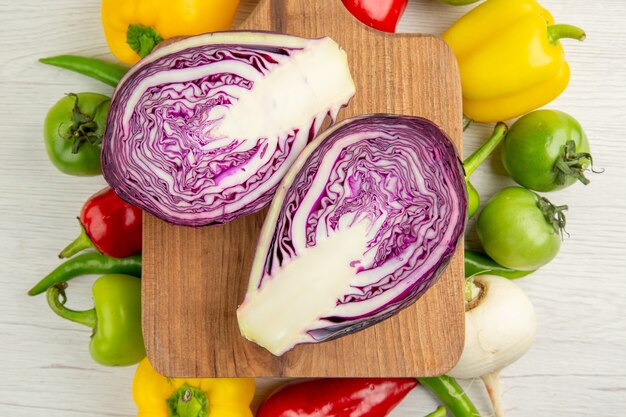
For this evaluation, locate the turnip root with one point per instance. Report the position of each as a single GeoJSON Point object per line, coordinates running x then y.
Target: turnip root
{"type": "Point", "coordinates": [500, 327]}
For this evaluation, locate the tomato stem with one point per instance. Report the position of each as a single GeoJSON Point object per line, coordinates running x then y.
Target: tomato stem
{"type": "Point", "coordinates": [553, 214]}
{"type": "Point", "coordinates": [572, 164]}
{"type": "Point", "coordinates": [84, 128]}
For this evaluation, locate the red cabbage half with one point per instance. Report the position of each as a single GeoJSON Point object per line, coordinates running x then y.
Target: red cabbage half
{"type": "Point", "coordinates": [202, 130]}
{"type": "Point", "coordinates": [362, 225]}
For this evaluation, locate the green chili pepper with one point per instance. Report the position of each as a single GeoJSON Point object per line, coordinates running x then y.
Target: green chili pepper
{"type": "Point", "coordinates": [107, 72]}
{"type": "Point", "coordinates": [116, 318]}
{"type": "Point", "coordinates": [474, 160]}
{"type": "Point", "coordinates": [478, 263]}
{"type": "Point", "coordinates": [451, 395]}
{"type": "Point", "coordinates": [88, 263]}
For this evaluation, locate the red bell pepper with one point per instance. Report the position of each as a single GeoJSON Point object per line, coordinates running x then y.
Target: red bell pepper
{"type": "Point", "coordinates": [380, 14]}
{"type": "Point", "coordinates": [354, 397]}
{"type": "Point", "coordinates": [109, 225]}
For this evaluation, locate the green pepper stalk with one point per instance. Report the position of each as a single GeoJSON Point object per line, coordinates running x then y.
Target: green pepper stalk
{"type": "Point", "coordinates": [116, 318]}
{"type": "Point", "coordinates": [480, 264]}
{"type": "Point", "coordinates": [563, 31]}
{"type": "Point", "coordinates": [107, 72]}
{"type": "Point", "coordinates": [451, 395]}
{"type": "Point", "coordinates": [478, 157]}
{"type": "Point", "coordinates": [88, 263]}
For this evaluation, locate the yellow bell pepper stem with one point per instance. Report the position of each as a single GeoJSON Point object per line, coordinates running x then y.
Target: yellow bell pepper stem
{"type": "Point", "coordinates": [561, 31]}
{"type": "Point", "coordinates": [142, 39]}
{"type": "Point", "coordinates": [158, 396]}
{"type": "Point", "coordinates": [188, 402]}
{"type": "Point", "coordinates": [144, 22]}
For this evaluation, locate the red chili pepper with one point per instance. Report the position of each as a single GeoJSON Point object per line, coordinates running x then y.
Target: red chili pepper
{"type": "Point", "coordinates": [109, 225]}
{"type": "Point", "coordinates": [379, 14]}
{"type": "Point", "coordinates": [333, 397]}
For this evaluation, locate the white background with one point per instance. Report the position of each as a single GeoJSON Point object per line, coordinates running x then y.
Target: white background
{"type": "Point", "coordinates": [577, 366]}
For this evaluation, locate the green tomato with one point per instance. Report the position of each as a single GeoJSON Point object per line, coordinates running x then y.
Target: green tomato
{"type": "Point", "coordinates": [73, 132]}
{"type": "Point", "coordinates": [520, 230]}
{"type": "Point", "coordinates": [546, 150]}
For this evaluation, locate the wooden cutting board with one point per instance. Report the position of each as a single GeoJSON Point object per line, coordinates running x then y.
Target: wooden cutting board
{"type": "Point", "coordinates": [194, 278]}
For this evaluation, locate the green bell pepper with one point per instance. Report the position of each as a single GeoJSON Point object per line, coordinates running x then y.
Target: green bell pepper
{"type": "Point", "coordinates": [116, 318]}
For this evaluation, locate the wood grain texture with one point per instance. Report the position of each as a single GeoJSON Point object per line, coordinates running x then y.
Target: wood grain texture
{"type": "Point", "coordinates": [194, 279]}
{"type": "Point", "coordinates": [576, 366]}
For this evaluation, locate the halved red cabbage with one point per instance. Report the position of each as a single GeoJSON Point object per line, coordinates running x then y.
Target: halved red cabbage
{"type": "Point", "coordinates": [202, 130]}
{"type": "Point", "coordinates": [362, 225]}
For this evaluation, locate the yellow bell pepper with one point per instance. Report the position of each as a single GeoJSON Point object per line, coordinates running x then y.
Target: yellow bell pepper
{"type": "Point", "coordinates": [510, 58]}
{"type": "Point", "coordinates": [158, 396]}
{"type": "Point", "coordinates": [154, 20]}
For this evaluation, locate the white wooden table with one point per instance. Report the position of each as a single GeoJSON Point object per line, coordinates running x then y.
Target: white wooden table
{"type": "Point", "coordinates": [577, 366]}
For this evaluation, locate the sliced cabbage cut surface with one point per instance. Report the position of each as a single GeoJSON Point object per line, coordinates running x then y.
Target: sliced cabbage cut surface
{"type": "Point", "coordinates": [202, 130]}
{"type": "Point", "coordinates": [362, 225]}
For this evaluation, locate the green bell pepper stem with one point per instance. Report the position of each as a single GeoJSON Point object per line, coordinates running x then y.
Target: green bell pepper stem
{"type": "Point", "coordinates": [556, 32]}
{"type": "Point", "coordinates": [480, 264]}
{"type": "Point", "coordinates": [439, 412]}
{"type": "Point", "coordinates": [107, 72]}
{"type": "Point", "coordinates": [451, 395]}
{"type": "Point", "coordinates": [82, 242]}
{"type": "Point", "coordinates": [88, 263]}
{"type": "Point", "coordinates": [187, 401]}
{"type": "Point", "coordinates": [87, 317]}
{"type": "Point", "coordinates": [478, 157]}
